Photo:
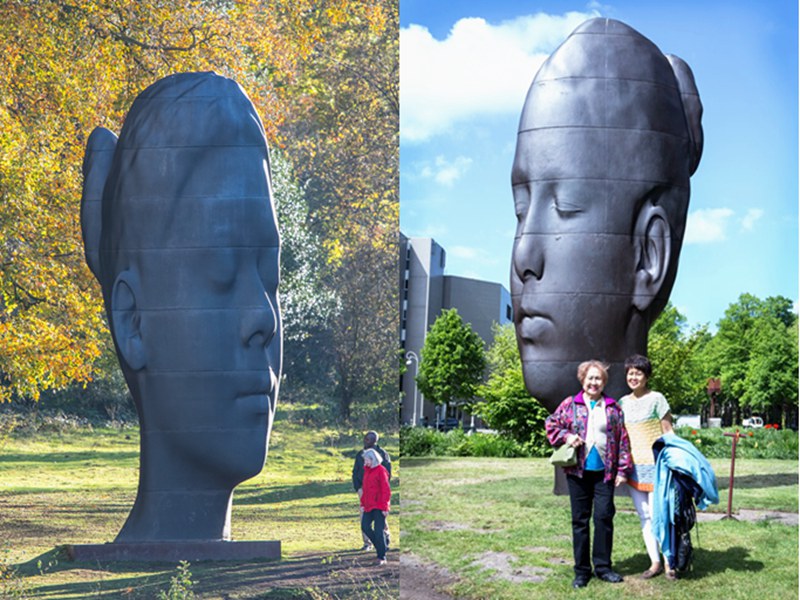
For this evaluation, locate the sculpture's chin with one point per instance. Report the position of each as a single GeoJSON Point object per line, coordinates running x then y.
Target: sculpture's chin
{"type": "Point", "coordinates": [551, 382]}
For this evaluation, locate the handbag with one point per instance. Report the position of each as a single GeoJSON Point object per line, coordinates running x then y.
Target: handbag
{"type": "Point", "coordinates": [565, 455]}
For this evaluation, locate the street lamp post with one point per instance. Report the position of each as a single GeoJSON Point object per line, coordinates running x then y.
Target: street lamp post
{"type": "Point", "coordinates": [412, 357]}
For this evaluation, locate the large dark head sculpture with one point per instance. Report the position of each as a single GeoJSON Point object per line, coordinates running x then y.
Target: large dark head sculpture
{"type": "Point", "coordinates": [609, 135]}
{"type": "Point", "coordinates": [179, 229]}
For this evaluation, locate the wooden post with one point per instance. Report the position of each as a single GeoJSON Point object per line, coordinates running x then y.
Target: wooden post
{"type": "Point", "coordinates": [735, 437]}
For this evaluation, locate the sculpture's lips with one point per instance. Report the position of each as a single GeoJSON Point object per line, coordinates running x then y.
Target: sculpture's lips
{"type": "Point", "coordinates": [258, 404]}
{"type": "Point", "coordinates": [535, 328]}
{"type": "Point", "coordinates": [258, 397]}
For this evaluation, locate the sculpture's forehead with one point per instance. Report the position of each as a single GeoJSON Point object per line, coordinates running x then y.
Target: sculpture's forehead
{"type": "Point", "coordinates": [592, 154]}
{"type": "Point", "coordinates": [158, 222]}
{"type": "Point", "coordinates": [604, 105]}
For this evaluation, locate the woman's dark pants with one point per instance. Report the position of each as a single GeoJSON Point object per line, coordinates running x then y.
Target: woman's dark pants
{"type": "Point", "coordinates": [375, 534]}
{"type": "Point", "coordinates": [584, 492]}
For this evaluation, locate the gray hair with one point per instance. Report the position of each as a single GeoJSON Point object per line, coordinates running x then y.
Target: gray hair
{"type": "Point", "coordinates": [373, 456]}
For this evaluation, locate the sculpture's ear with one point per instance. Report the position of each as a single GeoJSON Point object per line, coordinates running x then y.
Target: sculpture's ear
{"type": "Point", "coordinates": [96, 165]}
{"type": "Point", "coordinates": [692, 108]}
{"type": "Point", "coordinates": [126, 320]}
{"type": "Point", "coordinates": [653, 244]}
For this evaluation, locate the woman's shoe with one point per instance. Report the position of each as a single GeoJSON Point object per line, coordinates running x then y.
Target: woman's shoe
{"type": "Point", "coordinates": [651, 572]}
{"type": "Point", "coordinates": [671, 575]}
{"type": "Point", "coordinates": [381, 562]}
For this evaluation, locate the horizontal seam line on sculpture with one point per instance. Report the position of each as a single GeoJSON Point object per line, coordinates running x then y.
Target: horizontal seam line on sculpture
{"type": "Point", "coordinates": [260, 146]}
{"type": "Point", "coordinates": [163, 248]}
{"type": "Point", "coordinates": [192, 308]}
{"type": "Point", "coordinates": [197, 196]}
{"type": "Point", "coordinates": [583, 234]}
{"type": "Point", "coordinates": [546, 293]}
{"type": "Point", "coordinates": [601, 128]}
{"type": "Point", "coordinates": [232, 373]}
{"type": "Point", "coordinates": [652, 82]}
{"type": "Point", "coordinates": [620, 179]}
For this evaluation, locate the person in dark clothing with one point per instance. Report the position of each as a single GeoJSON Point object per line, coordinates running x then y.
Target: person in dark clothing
{"type": "Point", "coordinates": [370, 441]}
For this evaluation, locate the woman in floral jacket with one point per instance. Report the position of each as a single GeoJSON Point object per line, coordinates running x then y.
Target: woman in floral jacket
{"type": "Point", "coordinates": [594, 425]}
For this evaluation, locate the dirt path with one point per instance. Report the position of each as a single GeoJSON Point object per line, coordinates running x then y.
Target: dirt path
{"type": "Point", "coordinates": [423, 581]}
{"type": "Point", "coordinates": [318, 576]}
{"type": "Point", "coordinates": [350, 575]}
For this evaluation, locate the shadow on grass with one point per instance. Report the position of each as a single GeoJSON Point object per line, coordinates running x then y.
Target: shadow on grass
{"type": "Point", "coordinates": [758, 481]}
{"type": "Point", "coordinates": [297, 577]}
{"type": "Point", "coordinates": [69, 457]}
{"type": "Point", "coordinates": [312, 489]}
{"type": "Point", "coordinates": [422, 461]}
{"type": "Point", "coordinates": [705, 562]}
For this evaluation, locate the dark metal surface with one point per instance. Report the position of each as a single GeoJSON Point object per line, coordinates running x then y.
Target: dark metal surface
{"type": "Point", "coordinates": [180, 231]}
{"type": "Point", "coordinates": [609, 135]}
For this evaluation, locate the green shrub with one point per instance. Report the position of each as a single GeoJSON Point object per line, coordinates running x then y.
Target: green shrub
{"type": "Point", "coordinates": [779, 444]}
{"type": "Point", "coordinates": [423, 441]}
{"type": "Point", "coordinates": [489, 444]}
{"type": "Point", "coordinates": [180, 586]}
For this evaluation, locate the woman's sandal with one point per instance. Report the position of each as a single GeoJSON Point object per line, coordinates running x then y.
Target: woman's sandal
{"type": "Point", "coordinates": [671, 575]}
{"type": "Point", "coordinates": [650, 573]}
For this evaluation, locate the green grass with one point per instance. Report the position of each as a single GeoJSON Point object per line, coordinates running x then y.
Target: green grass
{"type": "Point", "coordinates": [78, 486]}
{"type": "Point", "coordinates": [456, 510]}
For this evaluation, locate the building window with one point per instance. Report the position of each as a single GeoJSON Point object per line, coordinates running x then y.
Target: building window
{"type": "Point", "coordinates": [508, 312]}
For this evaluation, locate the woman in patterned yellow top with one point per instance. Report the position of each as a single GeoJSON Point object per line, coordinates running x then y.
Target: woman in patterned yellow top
{"type": "Point", "coordinates": [647, 417]}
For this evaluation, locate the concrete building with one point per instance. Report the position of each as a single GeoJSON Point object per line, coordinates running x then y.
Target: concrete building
{"type": "Point", "coordinates": [424, 292]}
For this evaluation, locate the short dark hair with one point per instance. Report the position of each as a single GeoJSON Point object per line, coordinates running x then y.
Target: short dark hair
{"type": "Point", "coordinates": [640, 363]}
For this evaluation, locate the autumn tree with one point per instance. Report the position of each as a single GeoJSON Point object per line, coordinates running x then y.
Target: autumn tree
{"type": "Point", "coordinates": [347, 159]}
{"type": "Point", "coordinates": [451, 362]}
{"type": "Point", "coordinates": [71, 66]}
{"type": "Point", "coordinates": [307, 305]}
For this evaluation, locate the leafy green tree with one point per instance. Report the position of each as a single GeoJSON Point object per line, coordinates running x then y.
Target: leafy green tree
{"type": "Point", "coordinates": [771, 377]}
{"type": "Point", "coordinates": [754, 352]}
{"type": "Point", "coordinates": [507, 406]}
{"type": "Point", "coordinates": [678, 371]}
{"type": "Point", "coordinates": [452, 361]}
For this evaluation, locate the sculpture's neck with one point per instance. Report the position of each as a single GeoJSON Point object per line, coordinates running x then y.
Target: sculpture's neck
{"type": "Point", "coordinates": [179, 515]}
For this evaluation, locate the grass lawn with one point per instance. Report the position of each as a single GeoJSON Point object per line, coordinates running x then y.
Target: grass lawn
{"type": "Point", "coordinates": [77, 487]}
{"type": "Point", "coordinates": [499, 532]}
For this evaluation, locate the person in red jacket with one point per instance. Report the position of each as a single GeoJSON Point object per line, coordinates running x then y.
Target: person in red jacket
{"type": "Point", "coordinates": [375, 498]}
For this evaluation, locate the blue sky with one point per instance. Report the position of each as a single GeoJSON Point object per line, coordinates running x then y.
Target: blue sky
{"type": "Point", "coordinates": [465, 68]}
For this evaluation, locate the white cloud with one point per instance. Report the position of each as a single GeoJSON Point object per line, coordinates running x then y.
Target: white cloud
{"type": "Point", "coordinates": [475, 256]}
{"type": "Point", "coordinates": [753, 215]}
{"type": "Point", "coordinates": [443, 171]}
{"type": "Point", "coordinates": [707, 225]}
{"type": "Point", "coordinates": [448, 172]}
{"type": "Point", "coordinates": [478, 69]}
{"type": "Point", "coordinates": [463, 252]}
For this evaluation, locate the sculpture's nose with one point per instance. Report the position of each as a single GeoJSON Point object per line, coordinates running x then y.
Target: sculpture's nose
{"type": "Point", "coordinates": [528, 257]}
{"type": "Point", "coordinates": [259, 322]}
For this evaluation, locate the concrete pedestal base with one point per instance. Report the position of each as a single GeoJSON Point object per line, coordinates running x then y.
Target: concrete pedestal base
{"type": "Point", "coordinates": [174, 551]}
